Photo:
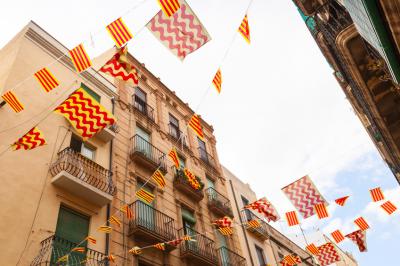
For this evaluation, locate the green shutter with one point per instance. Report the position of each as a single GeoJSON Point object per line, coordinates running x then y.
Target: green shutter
{"type": "Point", "coordinates": [188, 216]}
{"type": "Point", "coordinates": [91, 92]}
{"type": "Point", "coordinates": [71, 225]}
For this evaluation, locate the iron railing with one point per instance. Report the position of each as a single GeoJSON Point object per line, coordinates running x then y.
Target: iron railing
{"type": "Point", "coordinates": [150, 152]}
{"type": "Point", "coordinates": [84, 169]}
{"type": "Point", "coordinates": [176, 134]}
{"type": "Point", "coordinates": [219, 202]}
{"type": "Point", "coordinates": [181, 182]}
{"type": "Point", "coordinates": [143, 108]}
{"type": "Point", "coordinates": [201, 247]}
{"type": "Point", "coordinates": [248, 216]}
{"type": "Point", "coordinates": [148, 219]}
{"type": "Point", "coordinates": [227, 257]}
{"type": "Point", "coordinates": [207, 158]}
{"type": "Point", "coordinates": [55, 247]}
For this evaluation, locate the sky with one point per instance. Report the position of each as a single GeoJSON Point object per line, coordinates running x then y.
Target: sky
{"type": "Point", "coordinates": [280, 115]}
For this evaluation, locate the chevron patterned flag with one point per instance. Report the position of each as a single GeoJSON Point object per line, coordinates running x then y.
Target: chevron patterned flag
{"type": "Point", "coordinates": [321, 211]}
{"type": "Point", "coordinates": [376, 194]}
{"type": "Point", "coordinates": [224, 222]}
{"type": "Point", "coordinates": [91, 239]}
{"type": "Point", "coordinates": [182, 33]}
{"type": "Point", "coordinates": [291, 218]}
{"type": "Point", "coordinates": [304, 196]}
{"type": "Point", "coordinates": [359, 238]}
{"type": "Point", "coordinates": [160, 246]}
{"type": "Point", "coordinates": [119, 32]}
{"type": "Point", "coordinates": [80, 58]}
{"type": "Point", "coordinates": [312, 248]}
{"type": "Point", "coordinates": [128, 212]}
{"type": "Point", "coordinates": [195, 124]}
{"type": "Point", "coordinates": [135, 251]}
{"type": "Point", "coordinates": [34, 138]}
{"type": "Point", "coordinates": [389, 207]}
{"type": "Point", "coordinates": [173, 155]}
{"type": "Point", "coordinates": [105, 229]}
{"type": "Point", "coordinates": [337, 236]}
{"type": "Point", "coordinates": [226, 231]}
{"type": "Point", "coordinates": [169, 7]}
{"type": "Point", "coordinates": [46, 79]}
{"type": "Point", "coordinates": [120, 68]}
{"type": "Point", "coordinates": [292, 259]}
{"type": "Point", "coordinates": [327, 254]}
{"type": "Point", "coordinates": [194, 183]}
{"type": "Point", "coordinates": [175, 242]}
{"type": "Point", "coordinates": [85, 114]}
{"type": "Point", "coordinates": [265, 207]}
{"type": "Point", "coordinates": [12, 100]}
{"type": "Point", "coordinates": [244, 29]}
{"type": "Point", "coordinates": [341, 201]}
{"type": "Point", "coordinates": [145, 195]}
{"type": "Point", "coordinates": [78, 249]}
{"type": "Point", "coordinates": [217, 81]}
{"type": "Point", "coordinates": [115, 220]}
{"type": "Point", "coordinates": [158, 177]}
{"type": "Point", "coordinates": [361, 223]}
{"type": "Point", "coordinates": [253, 224]}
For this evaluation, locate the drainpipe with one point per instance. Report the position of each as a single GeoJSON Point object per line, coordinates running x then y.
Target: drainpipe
{"type": "Point", "coordinates": [241, 222]}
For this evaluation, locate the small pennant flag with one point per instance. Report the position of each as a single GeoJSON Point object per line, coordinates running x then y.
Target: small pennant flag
{"type": "Point", "coordinates": [359, 238]}
{"type": "Point", "coordinates": [78, 249]}
{"type": "Point", "coordinates": [128, 212]}
{"type": "Point", "coordinates": [34, 138]}
{"type": "Point", "coordinates": [12, 100]}
{"type": "Point", "coordinates": [291, 218]}
{"type": "Point", "coordinates": [173, 155]}
{"type": "Point", "coordinates": [169, 7]}
{"type": "Point", "coordinates": [111, 258]}
{"type": "Point", "coordinates": [175, 242]}
{"type": "Point", "coordinates": [321, 211]}
{"type": "Point", "coordinates": [312, 248]}
{"type": "Point", "coordinates": [376, 194]}
{"type": "Point", "coordinates": [105, 229]}
{"type": "Point", "coordinates": [194, 123]}
{"type": "Point", "coordinates": [115, 220]}
{"type": "Point", "coordinates": [217, 81]}
{"type": "Point", "coordinates": [91, 239]}
{"type": "Point", "coordinates": [46, 79]}
{"type": "Point", "coordinates": [223, 222]}
{"type": "Point", "coordinates": [119, 32]}
{"type": "Point", "coordinates": [63, 258]}
{"type": "Point", "coordinates": [254, 224]}
{"type": "Point", "coordinates": [145, 196]}
{"type": "Point", "coordinates": [361, 223]}
{"type": "Point", "coordinates": [244, 29]}
{"type": "Point", "coordinates": [337, 236]}
{"type": "Point", "coordinates": [264, 207]}
{"type": "Point", "coordinates": [158, 177]}
{"type": "Point", "coordinates": [341, 201]}
{"type": "Point", "coordinates": [389, 207]}
{"type": "Point", "coordinates": [226, 231]}
{"type": "Point", "coordinates": [292, 259]}
{"type": "Point", "coordinates": [135, 251]}
{"type": "Point", "coordinates": [80, 58]}
{"type": "Point", "coordinates": [160, 246]}
{"type": "Point", "coordinates": [187, 238]}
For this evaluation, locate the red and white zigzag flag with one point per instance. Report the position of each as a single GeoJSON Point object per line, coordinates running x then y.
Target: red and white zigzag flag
{"type": "Point", "coordinates": [263, 206]}
{"type": "Point", "coordinates": [327, 254]}
{"type": "Point", "coordinates": [359, 238]}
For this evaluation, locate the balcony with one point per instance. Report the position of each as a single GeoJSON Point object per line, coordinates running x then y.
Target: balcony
{"type": "Point", "coordinates": [150, 225]}
{"type": "Point", "coordinates": [227, 257]}
{"type": "Point", "coordinates": [207, 159]}
{"type": "Point", "coordinates": [218, 203]}
{"type": "Point", "coordinates": [108, 133]}
{"type": "Point", "coordinates": [143, 108]}
{"type": "Point", "coordinates": [178, 136]}
{"type": "Point", "coordinates": [262, 231]}
{"type": "Point", "coordinates": [82, 177]}
{"type": "Point", "coordinates": [144, 153]}
{"type": "Point", "coordinates": [198, 252]}
{"type": "Point", "coordinates": [182, 184]}
{"type": "Point", "coordinates": [55, 247]}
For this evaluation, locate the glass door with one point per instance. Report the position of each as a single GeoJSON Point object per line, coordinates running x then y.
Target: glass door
{"type": "Point", "coordinates": [224, 253]}
{"type": "Point", "coordinates": [146, 212]}
{"type": "Point", "coordinates": [143, 142]}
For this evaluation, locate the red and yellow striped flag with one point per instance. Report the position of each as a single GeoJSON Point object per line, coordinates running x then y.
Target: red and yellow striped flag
{"type": "Point", "coordinates": [135, 251]}
{"type": "Point", "coordinates": [361, 223]}
{"type": "Point", "coordinates": [217, 81]}
{"type": "Point", "coordinates": [376, 194]}
{"type": "Point", "coordinates": [128, 212]}
{"type": "Point", "coordinates": [158, 177]}
{"type": "Point", "coordinates": [160, 246]}
{"type": "Point", "coordinates": [195, 124]}
{"type": "Point", "coordinates": [321, 210]}
{"type": "Point", "coordinates": [337, 236]}
{"type": "Point", "coordinates": [312, 248]}
{"type": "Point", "coordinates": [145, 195]}
{"type": "Point", "coordinates": [80, 58]}
{"type": "Point", "coordinates": [186, 238]}
{"type": "Point", "coordinates": [341, 201]}
{"type": "Point", "coordinates": [253, 224]}
{"type": "Point", "coordinates": [244, 29]}
{"type": "Point", "coordinates": [291, 218]}
{"type": "Point", "coordinates": [226, 231]}
{"type": "Point", "coordinates": [111, 258]}
{"type": "Point", "coordinates": [12, 100]}
{"type": "Point", "coordinates": [115, 220]}
{"type": "Point", "coordinates": [63, 258]}
{"type": "Point", "coordinates": [91, 239]}
{"type": "Point", "coordinates": [292, 259]}
{"type": "Point", "coordinates": [46, 79]}
{"type": "Point", "coordinates": [119, 32]}
{"type": "Point", "coordinates": [174, 158]}
{"type": "Point", "coordinates": [34, 138]}
{"type": "Point", "coordinates": [105, 229]}
{"type": "Point", "coordinates": [389, 207]}
{"type": "Point", "coordinates": [169, 7]}
{"type": "Point", "coordinates": [78, 249]}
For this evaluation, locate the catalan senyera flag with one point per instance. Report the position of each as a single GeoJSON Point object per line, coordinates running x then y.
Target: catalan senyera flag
{"type": "Point", "coordinates": [337, 236]}
{"type": "Point", "coordinates": [128, 212]}
{"type": "Point", "coordinates": [187, 238]}
{"type": "Point", "coordinates": [105, 229]}
{"type": "Point", "coordinates": [173, 155]}
{"type": "Point", "coordinates": [312, 248]}
{"type": "Point", "coordinates": [292, 259]}
{"type": "Point", "coordinates": [389, 207]}
{"type": "Point", "coordinates": [160, 246]}
{"type": "Point", "coordinates": [376, 194]}
{"type": "Point", "coordinates": [119, 32]}
{"type": "Point", "coordinates": [217, 81]}
{"type": "Point", "coordinates": [12, 100]}
{"type": "Point", "coordinates": [291, 218]}
{"type": "Point", "coordinates": [85, 114]}
{"type": "Point", "coordinates": [135, 251]}
{"type": "Point", "coordinates": [194, 183]}
{"type": "Point", "coordinates": [46, 79]}
{"type": "Point", "coordinates": [115, 220]}
{"type": "Point", "coordinates": [78, 249]}
{"type": "Point", "coordinates": [226, 231]}
{"type": "Point", "coordinates": [244, 29]}
{"type": "Point", "coordinates": [145, 195]}
{"type": "Point", "coordinates": [341, 201]}
{"type": "Point", "coordinates": [169, 7]}
{"type": "Point", "coordinates": [361, 223]}
{"type": "Point", "coordinates": [321, 210]}
{"type": "Point", "coordinates": [223, 222]}
{"type": "Point", "coordinates": [195, 124]}
{"type": "Point", "coordinates": [158, 177]}
{"type": "Point", "coordinates": [80, 58]}
{"type": "Point", "coordinates": [34, 138]}
{"type": "Point", "coordinates": [91, 239]}
{"type": "Point", "coordinates": [253, 223]}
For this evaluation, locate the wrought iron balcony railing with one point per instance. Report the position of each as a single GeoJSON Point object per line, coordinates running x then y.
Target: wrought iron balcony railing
{"type": "Point", "coordinates": [227, 257]}
{"type": "Point", "coordinates": [176, 134]}
{"type": "Point", "coordinates": [181, 183]}
{"type": "Point", "coordinates": [84, 169]}
{"type": "Point", "coordinates": [55, 247]}
{"type": "Point", "coordinates": [261, 231]}
{"type": "Point", "coordinates": [143, 108]}
{"type": "Point", "coordinates": [151, 224]}
{"type": "Point", "coordinates": [218, 203]}
{"type": "Point", "coordinates": [150, 153]}
{"type": "Point", "coordinates": [207, 158]}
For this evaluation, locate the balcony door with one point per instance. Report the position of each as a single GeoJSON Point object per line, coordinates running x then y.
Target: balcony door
{"type": "Point", "coordinates": [246, 211]}
{"type": "Point", "coordinates": [146, 212]}
{"type": "Point", "coordinates": [189, 223]}
{"type": "Point", "coordinates": [224, 253]}
{"type": "Point", "coordinates": [140, 100]}
{"type": "Point", "coordinates": [211, 192]}
{"type": "Point", "coordinates": [143, 142]}
{"type": "Point", "coordinates": [202, 150]}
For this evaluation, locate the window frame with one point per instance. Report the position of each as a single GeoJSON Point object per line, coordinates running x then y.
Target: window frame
{"type": "Point", "coordinates": [260, 255]}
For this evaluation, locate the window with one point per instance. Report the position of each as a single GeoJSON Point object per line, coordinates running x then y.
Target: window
{"type": "Point", "coordinates": [280, 255]}
{"type": "Point", "coordinates": [210, 182]}
{"type": "Point", "coordinates": [260, 256]}
{"type": "Point", "coordinates": [246, 211]}
{"type": "Point", "coordinates": [91, 92]}
{"type": "Point", "coordinates": [202, 149]}
{"type": "Point", "coordinates": [140, 100]}
{"type": "Point", "coordinates": [189, 221]}
{"type": "Point", "coordinates": [174, 127]}
{"type": "Point", "coordinates": [182, 161]}
{"type": "Point", "coordinates": [81, 147]}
